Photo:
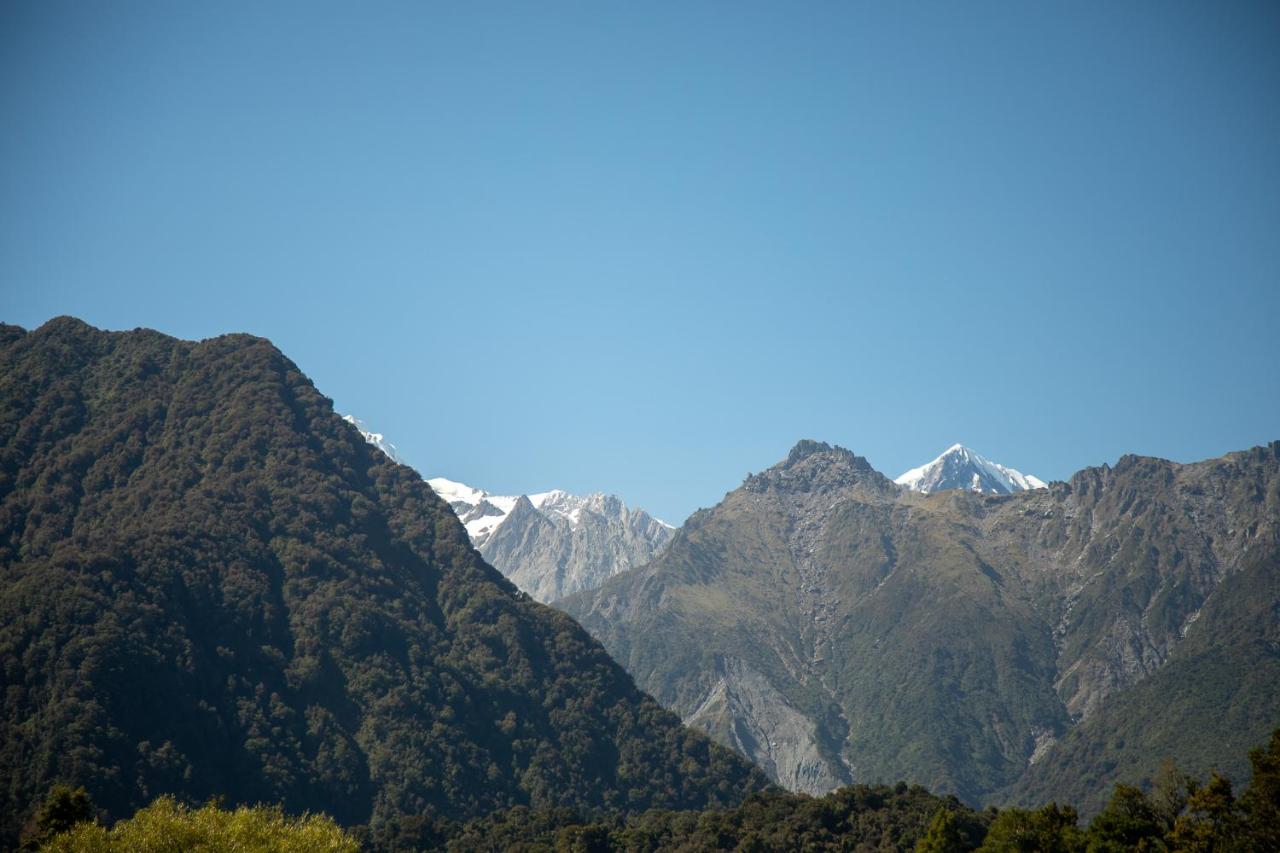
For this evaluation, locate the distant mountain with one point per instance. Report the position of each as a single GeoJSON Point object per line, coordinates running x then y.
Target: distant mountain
{"type": "Point", "coordinates": [377, 439]}
{"type": "Point", "coordinates": [549, 544]}
{"type": "Point", "coordinates": [213, 587]}
{"type": "Point", "coordinates": [553, 544]}
{"type": "Point", "coordinates": [837, 628]}
{"type": "Point", "coordinates": [479, 511]}
{"type": "Point", "coordinates": [960, 468]}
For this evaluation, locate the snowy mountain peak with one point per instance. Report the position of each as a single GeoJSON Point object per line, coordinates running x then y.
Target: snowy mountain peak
{"type": "Point", "coordinates": [479, 511]}
{"type": "Point", "coordinates": [377, 439]}
{"type": "Point", "coordinates": [550, 544]}
{"type": "Point", "coordinates": [961, 468]}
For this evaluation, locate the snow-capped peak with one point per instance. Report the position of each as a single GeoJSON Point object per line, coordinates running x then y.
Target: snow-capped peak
{"type": "Point", "coordinates": [454, 492]}
{"type": "Point", "coordinates": [482, 512]}
{"type": "Point", "coordinates": [563, 504]}
{"type": "Point", "coordinates": [961, 468]}
{"type": "Point", "coordinates": [479, 511]}
{"type": "Point", "coordinates": [377, 439]}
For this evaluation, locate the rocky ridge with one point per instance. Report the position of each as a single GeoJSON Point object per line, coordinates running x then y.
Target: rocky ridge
{"type": "Point", "coordinates": [954, 637]}
{"type": "Point", "coordinates": [549, 544]}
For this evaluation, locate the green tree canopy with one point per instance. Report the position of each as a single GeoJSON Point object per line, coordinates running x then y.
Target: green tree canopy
{"type": "Point", "coordinates": [166, 826]}
{"type": "Point", "coordinates": [1051, 829]}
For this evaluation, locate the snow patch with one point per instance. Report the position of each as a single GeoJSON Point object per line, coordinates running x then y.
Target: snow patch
{"type": "Point", "coordinates": [377, 439]}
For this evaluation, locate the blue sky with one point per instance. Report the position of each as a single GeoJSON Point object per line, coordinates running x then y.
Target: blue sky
{"type": "Point", "coordinates": [645, 247]}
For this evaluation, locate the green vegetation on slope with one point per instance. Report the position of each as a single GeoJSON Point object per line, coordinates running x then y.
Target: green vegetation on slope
{"type": "Point", "coordinates": [1179, 814]}
{"type": "Point", "coordinates": [213, 587]}
{"type": "Point", "coordinates": [167, 825]}
{"type": "Point", "coordinates": [1219, 692]}
{"type": "Point", "coordinates": [953, 638]}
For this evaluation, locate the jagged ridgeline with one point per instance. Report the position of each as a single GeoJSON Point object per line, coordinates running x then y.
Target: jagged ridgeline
{"type": "Point", "coordinates": [1005, 648]}
{"type": "Point", "coordinates": [212, 586]}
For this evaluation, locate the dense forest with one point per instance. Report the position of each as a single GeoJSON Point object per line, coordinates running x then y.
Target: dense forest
{"type": "Point", "coordinates": [213, 587]}
{"type": "Point", "coordinates": [1174, 813]}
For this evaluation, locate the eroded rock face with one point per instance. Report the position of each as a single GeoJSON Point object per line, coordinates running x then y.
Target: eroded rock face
{"type": "Point", "coordinates": [951, 638]}
{"type": "Point", "coordinates": [745, 711]}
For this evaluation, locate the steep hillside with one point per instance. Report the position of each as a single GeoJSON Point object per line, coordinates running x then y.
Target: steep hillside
{"type": "Point", "coordinates": [1204, 707]}
{"type": "Point", "coordinates": [212, 586]}
{"type": "Point", "coordinates": [836, 627]}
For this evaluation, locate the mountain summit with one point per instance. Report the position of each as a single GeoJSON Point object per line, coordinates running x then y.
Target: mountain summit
{"type": "Point", "coordinates": [549, 544]}
{"type": "Point", "coordinates": [961, 468]}
{"type": "Point", "coordinates": [836, 628]}
{"type": "Point", "coordinates": [553, 544]}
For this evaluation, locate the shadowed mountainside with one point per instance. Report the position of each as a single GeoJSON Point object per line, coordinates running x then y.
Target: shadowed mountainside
{"type": "Point", "coordinates": [212, 586]}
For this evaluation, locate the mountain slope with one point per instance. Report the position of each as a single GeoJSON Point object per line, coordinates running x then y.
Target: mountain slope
{"type": "Point", "coordinates": [214, 587]}
{"type": "Point", "coordinates": [961, 468]}
{"type": "Point", "coordinates": [835, 627]}
{"type": "Point", "coordinates": [553, 544]}
{"type": "Point", "coordinates": [1204, 707]}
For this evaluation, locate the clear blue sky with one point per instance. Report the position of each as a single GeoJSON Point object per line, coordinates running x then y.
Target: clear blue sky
{"type": "Point", "coordinates": [644, 247]}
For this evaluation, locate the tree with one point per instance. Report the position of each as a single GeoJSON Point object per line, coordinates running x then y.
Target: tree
{"type": "Point", "coordinates": [1169, 791]}
{"type": "Point", "coordinates": [1212, 819]}
{"type": "Point", "coordinates": [63, 808]}
{"type": "Point", "coordinates": [1129, 822]}
{"type": "Point", "coordinates": [1261, 800]}
{"type": "Point", "coordinates": [1049, 829]}
{"type": "Point", "coordinates": [943, 836]}
{"type": "Point", "coordinates": [166, 825]}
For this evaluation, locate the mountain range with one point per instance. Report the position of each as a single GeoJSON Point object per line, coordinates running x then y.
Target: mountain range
{"type": "Point", "coordinates": [549, 544]}
{"type": "Point", "coordinates": [835, 626]}
{"type": "Point", "coordinates": [553, 544]}
{"type": "Point", "coordinates": [214, 586]}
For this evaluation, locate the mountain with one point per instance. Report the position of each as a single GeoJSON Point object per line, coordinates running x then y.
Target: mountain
{"type": "Point", "coordinates": [377, 439]}
{"type": "Point", "coordinates": [960, 468]}
{"type": "Point", "coordinates": [213, 586]}
{"type": "Point", "coordinates": [553, 544]}
{"type": "Point", "coordinates": [836, 627]}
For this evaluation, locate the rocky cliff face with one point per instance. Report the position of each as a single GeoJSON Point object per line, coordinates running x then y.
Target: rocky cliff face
{"type": "Point", "coordinates": [836, 627]}
{"type": "Point", "coordinates": [568, 544]}
{"type": "Point", "coordinates": [553, 544]}
{"type": "Point", "coordinates": [549, 544]}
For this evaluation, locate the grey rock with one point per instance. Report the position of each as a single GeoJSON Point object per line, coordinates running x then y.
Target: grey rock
{"type": "Point", "coordinates": [570, 544]}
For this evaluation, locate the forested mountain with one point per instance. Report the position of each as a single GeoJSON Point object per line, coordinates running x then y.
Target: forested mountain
{"type": "Point", "coordinates": [837, 627]}
{"type": "Point", "coordinates": [212, 586]}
